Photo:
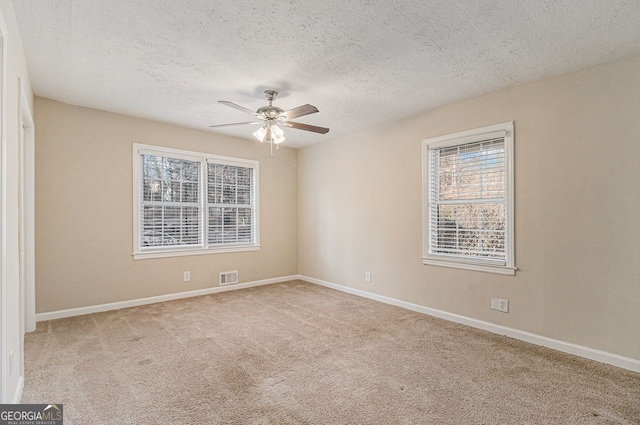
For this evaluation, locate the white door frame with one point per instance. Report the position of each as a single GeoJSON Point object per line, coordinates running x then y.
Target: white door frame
{"type": "Point", "coordinates": [4, 367]}
{"type": "Point", "coordinates": [26, 216]}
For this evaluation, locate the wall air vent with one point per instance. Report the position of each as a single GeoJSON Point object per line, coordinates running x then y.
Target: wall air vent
{"type": "Point", "coordinates": [229, 278]}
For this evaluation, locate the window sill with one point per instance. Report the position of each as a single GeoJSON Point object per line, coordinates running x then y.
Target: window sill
{"type": "Point", "coordinates": [199, 251]}
{"type": "Point", "coordinates": [504, 270]}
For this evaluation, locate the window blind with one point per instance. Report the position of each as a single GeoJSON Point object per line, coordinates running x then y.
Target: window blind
{"type": "Point", "coordinates": [170, 208]}
{"type": "Point", "coordinates": [230, 204]}
{"type": "Point", "coordinates": [191, 203]}
{"type": "Point", "coordinates": [468, 201]}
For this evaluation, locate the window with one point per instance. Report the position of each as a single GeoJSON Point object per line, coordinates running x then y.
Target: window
{"type": "Point", "coordinates": [468, 200]}
{"type": "Point", "coordinates": [188, 203]}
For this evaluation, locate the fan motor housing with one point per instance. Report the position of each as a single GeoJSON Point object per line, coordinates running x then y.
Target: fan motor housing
{"type": "Point", "coordinates": [269, 111]}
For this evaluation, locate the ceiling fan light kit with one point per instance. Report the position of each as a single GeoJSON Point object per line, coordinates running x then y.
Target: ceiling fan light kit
{"type": "Point", "coordinates": [270, 134]}
{"type": "Point", "coordinates": [272, 116]}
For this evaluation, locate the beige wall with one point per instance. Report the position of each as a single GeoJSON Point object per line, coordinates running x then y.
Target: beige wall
{"type": "Point", "coordinates": [84, 210]}
{"type": "Point", "coordinates": [16, 67]}
{"type": "Point", "coordinates": [359, 209]}
{"type": "Point", "coordinates": [577, 160]}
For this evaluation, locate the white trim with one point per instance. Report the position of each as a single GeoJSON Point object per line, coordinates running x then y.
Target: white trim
{"type": "Point", "coordinates": [566, 347]}
{"type": "Point", "coordinates": [200, 251]}
{"type": "Point", "coordinates": [51, 315]}
{"type": "Point", "coordinates": [4, 366]}
{"type": "Point", "coordinates": [140, 253]}
{"type": "Point", "coordinates": [469, 136]}
{"type": "Point", "coordinates": [192, 155]}
{"type": "Point", "coordinates": [18, 394]}
{"type": "Point", "coordinates": [26, 286]}
{"type": "Point", "coordinates": [503, 130]}
{"type": "Point", "coordinates": [509, 271]}
{"type": "Point", "coordinates": [27, 142]}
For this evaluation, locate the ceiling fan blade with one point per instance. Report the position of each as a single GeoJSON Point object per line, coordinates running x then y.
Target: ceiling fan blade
{"type": "Point", "coordinates": [238, 107]}
{"type": "Point", "coordinates": [306, 127]}
{"type": "Point", "coordinates": [299, 111]}
{"type": "Point", "coordinates": [237, 123]}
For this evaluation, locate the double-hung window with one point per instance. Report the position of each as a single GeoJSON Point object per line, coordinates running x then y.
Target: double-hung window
{"type": "Point", "coordinates": [468, 200]}
{"type": "Point", "coordinates": [188, 203]}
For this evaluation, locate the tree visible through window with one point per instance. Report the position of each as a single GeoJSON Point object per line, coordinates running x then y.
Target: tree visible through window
{"type": "Point", "coordinates": [174, 190]}
{"type": "Point", "coordinates": [469, 209]}
{"type": "Point", "coordinates": [470, 194]}
{"type": "Point", "coordinates": [229, 204]}
{"type": "Point", "coordinates": [170, 202]}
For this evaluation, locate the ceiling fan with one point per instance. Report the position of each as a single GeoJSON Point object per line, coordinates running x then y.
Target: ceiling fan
{"type": "Point", "coordinates": [271, 117]}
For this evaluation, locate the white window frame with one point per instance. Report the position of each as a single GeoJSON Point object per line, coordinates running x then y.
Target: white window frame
{"type": "Point", "coordinates": [504, 130]}
{"type": "Point", "coordinates": [140, 252]}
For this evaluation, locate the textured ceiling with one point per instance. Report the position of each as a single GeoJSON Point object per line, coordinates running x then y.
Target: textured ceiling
{"type": "Point", "coordinates": [361, 62]}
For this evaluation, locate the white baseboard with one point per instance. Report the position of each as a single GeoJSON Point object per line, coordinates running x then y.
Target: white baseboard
{"type": "Point", "coordinates": [566, 347]}
{"type": "Point", "coordinates": [51, 315]}
{"type": "Point", "coordinates": [18, 393]}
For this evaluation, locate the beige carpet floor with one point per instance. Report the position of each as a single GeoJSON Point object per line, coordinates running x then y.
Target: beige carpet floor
{"type": "Point", "coordinates": [296, 353]}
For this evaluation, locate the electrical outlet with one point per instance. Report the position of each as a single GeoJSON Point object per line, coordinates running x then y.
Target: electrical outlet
{"type": "Point", "coordinates": [367, 276]}
{"type": "Point", "coordinates": [500, 304]}
{"type": "Point", "coordinates": [186, 276]}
